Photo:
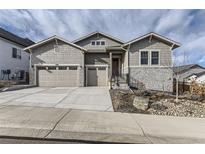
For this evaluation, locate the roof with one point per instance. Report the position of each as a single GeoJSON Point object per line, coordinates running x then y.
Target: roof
{"type": "Point", "coordinates": [53, 38]}
{"type": "Point", "coordinates": [115, 48]}
{"type": "Point", "coordinates": [14, 38]}
{"type": "Point", "coordinates": [94, 33]}
{"type": "Point", "coordinates": [152, 34]}
{"type": "Point", "coordinates": [184, 68]}
{"type": "Point", "coordinates": [198, 74]}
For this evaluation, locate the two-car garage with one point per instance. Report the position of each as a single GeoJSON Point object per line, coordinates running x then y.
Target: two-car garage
{"type": "Point", "coordinates": [68, 76]}
{"type": "Point", "coordinates": [57, 76]}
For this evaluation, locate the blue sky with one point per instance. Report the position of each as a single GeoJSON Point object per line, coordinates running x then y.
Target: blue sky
{"type": "Point", "coordinates": [184, 26]}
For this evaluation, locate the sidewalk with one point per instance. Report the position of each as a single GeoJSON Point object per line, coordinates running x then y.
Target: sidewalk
{"type": "Point", "coordinates": [65, 124]}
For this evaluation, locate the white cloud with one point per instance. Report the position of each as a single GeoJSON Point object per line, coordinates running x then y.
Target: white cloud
{"type": "Point", "coordinates": [185, 26]}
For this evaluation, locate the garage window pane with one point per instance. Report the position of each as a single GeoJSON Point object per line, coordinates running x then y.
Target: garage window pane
{"type": "Point", "coordinates": [42, 68]}
{"type": "Point", "coordinates": [73, 68]}
{"type": "Point", "coordinates": [91, 68]}
{"type": "Point", "coordinates": [62, 68]}
{"type": "Point", "coordinates": [101, 68]}
{"type": "Point", "coordinates": [51, 68]}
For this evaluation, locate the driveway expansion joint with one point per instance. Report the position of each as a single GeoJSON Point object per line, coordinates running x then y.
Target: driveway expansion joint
{"type": "Point", "coordinates": [64, 98]}
{"type": "Point", "coordinates": [24, 96]}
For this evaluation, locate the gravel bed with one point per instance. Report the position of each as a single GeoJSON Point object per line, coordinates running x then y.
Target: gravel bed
{"type": "Point", "coordinates": [159, 104]}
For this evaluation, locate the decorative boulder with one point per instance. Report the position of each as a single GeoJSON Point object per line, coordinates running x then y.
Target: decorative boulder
{"type": "Point", "coordinates": [141, 103]}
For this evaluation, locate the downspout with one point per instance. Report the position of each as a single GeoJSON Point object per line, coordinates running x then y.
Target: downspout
{"type": "Point", "coordinates": [128, 50]}
{"type": "Point", "coordinates": [30, 64]}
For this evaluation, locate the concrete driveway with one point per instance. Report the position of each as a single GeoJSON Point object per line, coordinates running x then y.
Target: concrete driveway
{"type": "Point", "coordinates": [88, 98]}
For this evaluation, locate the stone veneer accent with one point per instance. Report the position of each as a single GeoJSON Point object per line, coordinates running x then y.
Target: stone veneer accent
{"type": "Point", "coordinates": [154, 78]}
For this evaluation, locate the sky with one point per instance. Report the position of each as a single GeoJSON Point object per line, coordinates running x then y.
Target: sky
{"type": "Point", "coordinates": [184, 26]}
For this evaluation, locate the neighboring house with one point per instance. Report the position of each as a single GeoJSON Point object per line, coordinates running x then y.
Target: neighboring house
{"type": "Point", "coordinates": [197, 77]}
{"type": "Point", "coordinates": [99, 59]}
{"type": "Point", "coordinates": [14, 61]}
{"type": "Point", "coordinates": [188, 73]}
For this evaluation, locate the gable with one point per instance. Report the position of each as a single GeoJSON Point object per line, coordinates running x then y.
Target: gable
{"type": "Point", "coordinates": [86, 43]}
{"type": "Point", "coordinates": [151, 36]}
{"type": "Point", "coordinates": [53, 38]}
{"type": "Point", "coordinates": [63, 54]}
{"type": "Point", "coordinates": [165, 58]}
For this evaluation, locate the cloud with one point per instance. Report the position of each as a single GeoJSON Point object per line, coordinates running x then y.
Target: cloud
{"type": "Point", "coordinates": [184, 26]}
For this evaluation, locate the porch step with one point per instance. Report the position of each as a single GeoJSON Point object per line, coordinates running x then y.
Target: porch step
{"type": "Point", "coordinates": [120, 86]}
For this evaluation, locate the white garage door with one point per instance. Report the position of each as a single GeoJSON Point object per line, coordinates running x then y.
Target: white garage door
{"type": "Point", "coordinates": [96, 76]}
{"type": "Point", "coordinates": [61, 76]}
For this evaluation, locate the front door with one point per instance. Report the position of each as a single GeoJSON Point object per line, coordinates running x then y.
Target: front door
{"type": "Point", "coordinates": [115, 67]}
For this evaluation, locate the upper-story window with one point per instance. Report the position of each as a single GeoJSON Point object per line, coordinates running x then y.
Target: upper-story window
{"type": "Point", "coordinates": [98, 42]}
{"type": "Point", "coordinates": [16, 53]}
{"type": "Point", "coordinates": [155, 57]}
{"type": "Point", "coordinates": [144, 57]}
{"type": "Point", "coordinates": [92, 42]}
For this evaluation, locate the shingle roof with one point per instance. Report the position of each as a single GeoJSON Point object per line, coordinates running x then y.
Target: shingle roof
{"type": "Point", "coordinates": [200, 74]}
{"type": "Point", "coordinates": [14, 38]}
{"type": "Point", "coordinates": [183, 68]}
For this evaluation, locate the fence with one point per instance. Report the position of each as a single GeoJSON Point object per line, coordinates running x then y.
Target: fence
{"type": "Point", "coordinates": [192, 88]}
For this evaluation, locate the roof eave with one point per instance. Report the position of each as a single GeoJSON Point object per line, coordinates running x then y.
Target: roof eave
{"type": "Point", "coordinates": [51, 38]}
{"type": "Point", "coordinates": [174, 44]}
{"type": "Point", "coordinates": [93, 33]}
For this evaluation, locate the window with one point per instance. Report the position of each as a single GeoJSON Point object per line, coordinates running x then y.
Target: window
{"type": "Point", "coordinates": [97, 42]}
{"type": "Point", "coordinates": [144, 57]}
{"type": "Point", "coordinates": [16, 53]}
{"type": "Point", "coordinates": [155, 58]}
{"type": "Point", "coordinates": [62, 67]}
{"type": "Point", "coordinates": [102, 42]}
{"type": "Point", "coordinates": [73, 67]}
{"type": "Point", "coordinates": [93, 43]}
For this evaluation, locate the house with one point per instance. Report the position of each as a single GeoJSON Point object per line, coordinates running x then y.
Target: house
{"type": "Point", "coordinates": [187, 73]}
{"type": "Point", "coordinates": [98, 59]}
{"type": "Point", "coordinates": [196, 77]}
{"type": "Point", "coordinates": [14, 61]}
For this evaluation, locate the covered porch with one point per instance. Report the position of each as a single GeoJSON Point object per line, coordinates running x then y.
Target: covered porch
{"type": "Point", "coordinates": [118, 73]}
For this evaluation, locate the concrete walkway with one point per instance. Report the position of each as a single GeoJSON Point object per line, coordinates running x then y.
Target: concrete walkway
{"type": "Point", "coordinates": [67, 124]}
{"type": "Point", "coordinates": [88, 98]}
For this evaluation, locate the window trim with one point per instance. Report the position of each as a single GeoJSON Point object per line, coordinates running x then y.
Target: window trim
{"type": "Point", "coordinates": [150, 57]}
{"type": "Point", "coordinates": [147, 58]}
{"type": "Point", "coordinates": [158, 58]}
{"type": "Point", "coordinates": [98, 41]}
{"type": "Point", "coordinates": [18, 53]}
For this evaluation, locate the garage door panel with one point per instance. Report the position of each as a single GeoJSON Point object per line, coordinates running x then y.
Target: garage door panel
{"type": "Point", "coordinates": [101, 76]}
{"type": "Point", "coordinates": [57, 78]}
{"type": "Point", "coordinates": [97, 76]}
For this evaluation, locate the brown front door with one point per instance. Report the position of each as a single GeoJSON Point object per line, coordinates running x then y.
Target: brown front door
{"type": "Point", "coordinates": [115, 67]}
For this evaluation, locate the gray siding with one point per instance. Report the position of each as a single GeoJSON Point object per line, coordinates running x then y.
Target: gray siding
{"type": "Point", "coordinates": [97, 58]}
{"type": "Point", "coordinates": [66, 54]}
{"type": "Point", "coordinates": [165, 52]}
{"type": "Point", "coordinates": [86, 43]}
{"type": "Point", "coordinates": [153, 78]}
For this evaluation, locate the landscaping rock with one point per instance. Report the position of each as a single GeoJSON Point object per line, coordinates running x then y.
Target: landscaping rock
{"type": "Point", "coordinates": [141, 103]}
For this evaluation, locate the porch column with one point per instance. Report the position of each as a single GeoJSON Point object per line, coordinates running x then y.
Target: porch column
{"type": "Point", "coordinates": [110, 66]}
